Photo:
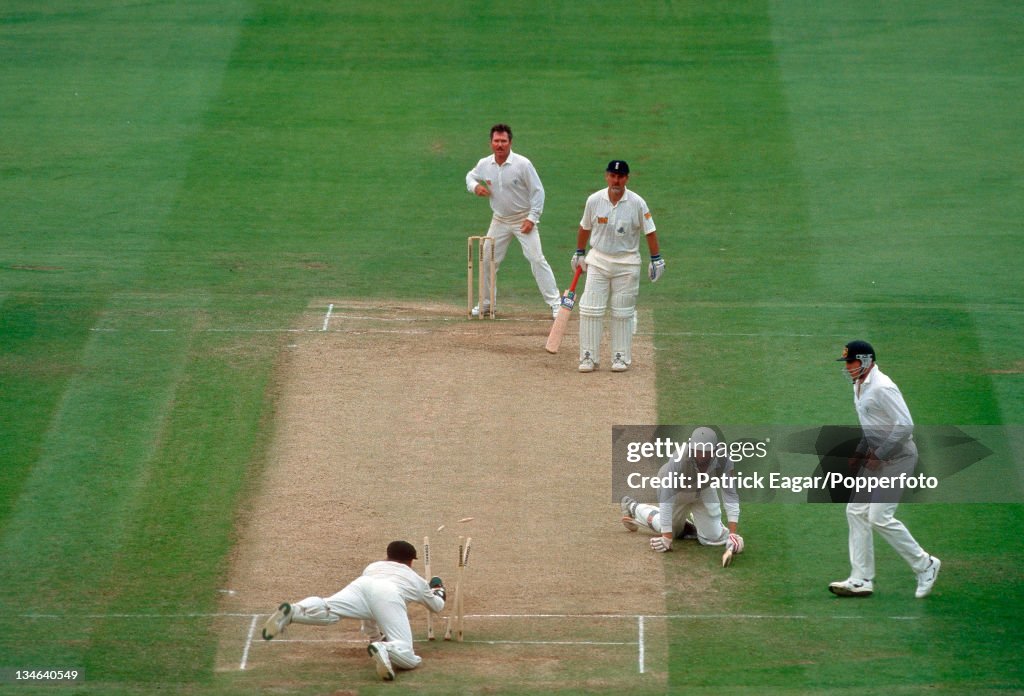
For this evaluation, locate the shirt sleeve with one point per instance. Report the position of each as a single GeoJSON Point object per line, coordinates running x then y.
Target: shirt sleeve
{"type": "Point", "coordinates": [646, 220]}
{"type": "Point", "coordinates": [425, 595]}
{"type": "Point", "coordinates": [730, 497]}
{"type": "Point", "coordinates": [536, 194]}
{"type": "Point", "coordinates": [587, 221]}
{"type": "Point", "coordinates": [891, 401]}
{"type": "Point", "coordinates": [667, 495]}
{"type": "Point", "coordinates": [475, 176]}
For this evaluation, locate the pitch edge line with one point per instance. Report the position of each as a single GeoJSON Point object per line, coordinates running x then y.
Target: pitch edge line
{"type": "Point", "coordinates": [248, 642]}
{"type": "Point", "coordinates": [640, 643]}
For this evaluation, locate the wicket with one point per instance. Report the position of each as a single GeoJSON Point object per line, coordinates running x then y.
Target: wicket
{"type": "Point", "coordinates": [426, 570]}
{"type": "Point", "coordinates": [457, 599]}
{"type": "Point", "coordinates": [481, 244]}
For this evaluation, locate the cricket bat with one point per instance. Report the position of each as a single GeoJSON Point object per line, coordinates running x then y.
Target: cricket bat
{"type": "Point", "coordinates": [562, 320]}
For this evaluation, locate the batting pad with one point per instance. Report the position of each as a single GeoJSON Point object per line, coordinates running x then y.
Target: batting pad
{"type": "Point", "coordinates": [623, 306]}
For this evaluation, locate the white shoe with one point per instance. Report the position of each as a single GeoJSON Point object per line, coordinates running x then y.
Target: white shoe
{"type": "Point", "coordinates": [619, 363]}
{"type": "Point", "coordinates": [476, 311]}
{"type": "Point", "coordinates": [852, 588]}
{"type": "Point", "coordinates": [628, 507]}
{"type": "Point", "coordinates": [381, 661]}
{"type": "Point", "coordinates": [554, 309]}
{"type": "Point", "coordinates": [587, 364]}
{"type": "Point", "coordinates": [277, 621]}
{"type": "Point", "coordinates": [926, 578]}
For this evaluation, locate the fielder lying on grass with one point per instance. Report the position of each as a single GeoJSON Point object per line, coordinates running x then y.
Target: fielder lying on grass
{"type": "Point", "coordinates": [691, 511]}
{"type": "Point", "coordinates": [379, 598]}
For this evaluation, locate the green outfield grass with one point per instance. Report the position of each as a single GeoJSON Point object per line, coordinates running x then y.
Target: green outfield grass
{"type": "Point", "coordinates": [181, 180]}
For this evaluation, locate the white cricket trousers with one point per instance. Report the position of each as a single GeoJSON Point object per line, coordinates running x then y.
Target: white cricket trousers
{"type": "Point", "coordinates": [865, 516]}
{"type": "Point", "coordinates": [367, 599]}
{"type": "Point", "coordinates": [615, 281]}
{"type": "Point", "coordinates": [503, 232]}
{"type": "Point", "coordinates": [707, 516]}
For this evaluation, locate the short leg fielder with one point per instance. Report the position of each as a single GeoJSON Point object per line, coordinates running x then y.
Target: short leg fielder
{"type": "Point", "coordinates": [705, 510]}
{"type": "Point", "coordinates": [503, 233]}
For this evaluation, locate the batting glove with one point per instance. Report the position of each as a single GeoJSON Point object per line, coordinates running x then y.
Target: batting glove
{"type": "Point", "coordinates": [656, 268]}
{"type": "Point", "coordinates": [578, 260]}
{"type": "Point", "coordinates": [735, 543]}
{"type": "Point", "coordinates": [661, 544]}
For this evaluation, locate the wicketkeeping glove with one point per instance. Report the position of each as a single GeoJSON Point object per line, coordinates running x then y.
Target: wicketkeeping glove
{"type": "Point", "coordinates": [438, 587]}
{"type": "Point", "coordinates": [656, 268]}
{"type": "Point", "coordinates": [661, 544]}
{"type": "Point", "coordinates": [578, 260]}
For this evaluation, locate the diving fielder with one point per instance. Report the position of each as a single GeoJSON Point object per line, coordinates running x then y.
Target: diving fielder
{"type": "Point", "coordinates": [379, 598]}
{"type": "Point", "coordinates": [613, 220]}
{"type": "Point", "coordinates": [686, 510]}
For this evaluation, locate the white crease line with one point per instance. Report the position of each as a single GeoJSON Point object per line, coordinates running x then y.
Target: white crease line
{"type": "Point", "coordinates": [248, 642]}
{"type": "Point", "coordinates": [327, 317]}
{"type": "Point", "coordinates": [640, 643]}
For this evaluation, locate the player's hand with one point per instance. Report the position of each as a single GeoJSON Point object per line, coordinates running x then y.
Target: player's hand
{"type": "Point", "coordinates": [656, 268]}
{"type": "Point", "coordinates": [440, 592]}
{"type": "Point", "coordinates": [578, 260]}
{"type": "Point", "coordinates": [482, 190]}
{"type": "Point", "coordinates": [526, 227]}
{"type": "Point", "coordinates": [661, 544]}
{"type": "Point", "coordinates": [735, 543]}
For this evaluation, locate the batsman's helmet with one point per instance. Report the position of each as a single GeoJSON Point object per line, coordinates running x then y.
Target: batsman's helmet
{"type": "Point", "coordinates": [703, 441]}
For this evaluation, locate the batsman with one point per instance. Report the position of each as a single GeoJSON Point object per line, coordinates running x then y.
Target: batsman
{"type": "Point", "coordinates": [613, 221]}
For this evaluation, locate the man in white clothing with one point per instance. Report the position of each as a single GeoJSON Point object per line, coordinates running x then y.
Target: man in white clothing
{"type": "Point", "coordinates": [886, 450]}
{"type": "Point", "coordinates": [614, 219]}
{"type": "Point", "coordinates": [511, 184]}
{"type": "Point", "coordinates": [379, 598]}
{"type": "Point", "coordinates": [687, 510]}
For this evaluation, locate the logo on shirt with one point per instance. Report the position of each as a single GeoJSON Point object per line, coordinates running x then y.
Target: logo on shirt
{"type": "Point", "coordinates": [602, 221]}
{"type": "Point", "coordinates": [647, 216]}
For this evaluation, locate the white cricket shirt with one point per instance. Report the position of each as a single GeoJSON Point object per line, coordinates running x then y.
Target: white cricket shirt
{"type": "Point", "coordinates": [616, 229]}
{"type": "Point", "coordinates": [410, 586]}
{"type": "Point", "coordinates": [884, 416]}
{"type": "Point", "coordinates": [720, 468]}
{"type": "Point", "coordinates": [516, 191]}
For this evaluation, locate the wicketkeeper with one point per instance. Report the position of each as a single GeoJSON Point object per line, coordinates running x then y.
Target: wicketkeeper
{"type": "Point", "coordinates": [613, 220]}
{"type": "Point", "coordinates": [689, 511]}
{"type": "Point", "coordinates": [378, 598]}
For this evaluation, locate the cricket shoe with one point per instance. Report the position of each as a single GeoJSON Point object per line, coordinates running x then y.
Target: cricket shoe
{"type": "Point", "coordinates": [477, 311]}
{"type": "Point", "coordinates": [619, 363]}
{"type": "Point", "coordinates": [628, 506]}
{"type": "Point", "coordinates": [926, 578]}
{"type": "Point", "coordinates": [852, 588]}
{"type": "Point", "coordinates": [587, 364]}
{"type": "Point", "coordinates": [381, 661]}
{"type": "Point", "coordinates": [277, 621]}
